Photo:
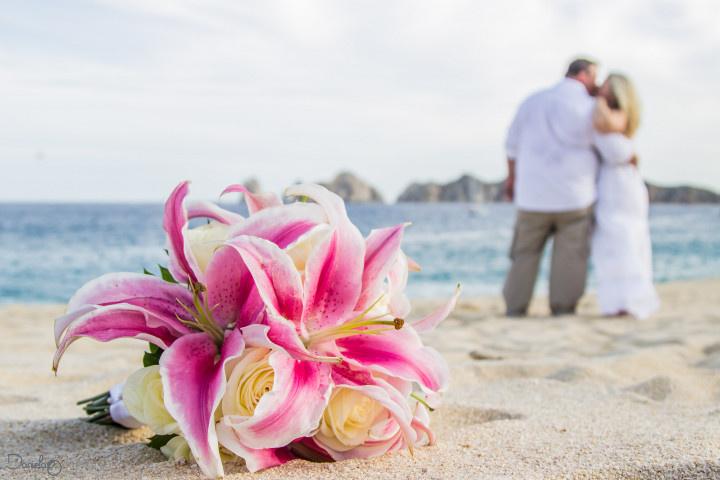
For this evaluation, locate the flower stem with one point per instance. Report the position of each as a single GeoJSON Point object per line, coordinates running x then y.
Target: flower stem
{"type": "Point", "coordinates": [92, 399]}
{"type": "Point", "coordinates": [98, 409]}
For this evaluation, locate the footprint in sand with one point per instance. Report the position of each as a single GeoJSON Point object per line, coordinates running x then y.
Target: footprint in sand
{"type": "Point", "coordinates": [452, 417]}
{"type": "Point", "coordinates": [657, 388]}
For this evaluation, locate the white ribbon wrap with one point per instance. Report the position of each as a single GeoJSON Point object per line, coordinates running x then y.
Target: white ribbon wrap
{"type": "Point", "coordinates": [118, 411]}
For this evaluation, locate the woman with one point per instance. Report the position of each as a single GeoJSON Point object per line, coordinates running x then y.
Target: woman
{"type": "Point", "coordinates": [621, 249]}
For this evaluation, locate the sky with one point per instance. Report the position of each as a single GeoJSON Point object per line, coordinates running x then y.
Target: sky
{"type": "Point", "coordinates": [119, 100]}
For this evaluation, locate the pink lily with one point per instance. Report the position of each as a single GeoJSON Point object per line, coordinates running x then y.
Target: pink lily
{"type": "Point", "coordinates": [315, 316]}
{"type": "Point", "coordinates": [342, 273]}
{"type": "Point", "coordinates": [141, 306]}
{"type": "Point", "coordinates": [268, 219]}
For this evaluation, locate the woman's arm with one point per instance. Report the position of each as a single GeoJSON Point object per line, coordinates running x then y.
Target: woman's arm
{"type": "Point", "coordinates": [607, 120]}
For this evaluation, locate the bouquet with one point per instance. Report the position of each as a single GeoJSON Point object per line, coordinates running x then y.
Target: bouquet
{"type": "Point", "coordinates": [278, 336]}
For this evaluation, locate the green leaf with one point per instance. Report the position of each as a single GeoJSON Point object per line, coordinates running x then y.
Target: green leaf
{"type": "Point", "coordinates": [157, 441]}
{"type": "Point", "coordinates": [166, 275]}
{"type": "Point", "coordinates": [153, 356]}
{"type": "Point", "coordinates": [148, 272]}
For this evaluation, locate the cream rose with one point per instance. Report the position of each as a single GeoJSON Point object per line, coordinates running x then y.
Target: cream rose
{"type": "Point", "coordinates": [143, 397]}
{"type": "Point", "coordinates": [349, 419]}
{"type": "Point", "coordinates": [177, 450]}
{"type": "Point", "coordinates": [250, 378]}
{"type": "Point", "coordinates": [301, 249]}
{"type": "Point", "coordinates": [204, 240]}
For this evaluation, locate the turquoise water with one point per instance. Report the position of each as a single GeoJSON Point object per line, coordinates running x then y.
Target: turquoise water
{"type": "Point", "coordinates": [48, 251]}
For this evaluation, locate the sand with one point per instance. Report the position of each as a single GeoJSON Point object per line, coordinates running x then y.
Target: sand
{"type": "Point", "coordinates": [573, 397]}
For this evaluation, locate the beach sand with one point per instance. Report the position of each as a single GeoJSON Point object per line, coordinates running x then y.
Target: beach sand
{"type": "Point", "coordinates": [573, 397]}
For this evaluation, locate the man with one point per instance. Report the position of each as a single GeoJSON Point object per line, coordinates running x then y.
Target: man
{"type": "Point", "coordinates": [551, 177]}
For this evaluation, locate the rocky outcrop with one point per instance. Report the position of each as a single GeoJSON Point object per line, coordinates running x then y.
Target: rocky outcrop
{"type": "Point", "coordinates": [421, 192]}
{"type": "Point", "coordinates": [352, 189]}
{"type": "Point", "coordinates": [466, 189]}
{"type": "Point", "coordinates": [681, 194]}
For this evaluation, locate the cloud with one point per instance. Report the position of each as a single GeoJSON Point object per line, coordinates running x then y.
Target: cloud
{"type": "Point", "coordinates": [117, 100]}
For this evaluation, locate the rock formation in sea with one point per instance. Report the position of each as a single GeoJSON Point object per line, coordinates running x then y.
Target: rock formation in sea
{"type": "Point", "coordinates": [353, 189]}
{"type": "Point", "coordinates": [467, 189]}
{"type": "Point", "coordinates": [252, 184]}
{"type": "Point", "coordinates": [681, 194]}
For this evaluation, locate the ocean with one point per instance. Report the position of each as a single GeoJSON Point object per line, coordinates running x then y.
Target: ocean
{"type": "Point", "coordinates": [47, 251]}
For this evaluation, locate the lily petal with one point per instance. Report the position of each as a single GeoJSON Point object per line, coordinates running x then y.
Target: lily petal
{"type": "Point", "coordinates": [193, 385]}
{"type": "Point", "coordinates": [182, 263]}
{"type": "Point", "coordinates": [333, 273]}
{"type": "Point", "coordinates": [256, 459]}
{"type": "Point", "coordinates": [231, 291]}
{"type": "Point", "coordinates": [398, 353]}
{"type": "Point", "coordinates": [431, 321]}
{"type": "Point", "coordinates": [205, 209]}
{"type": "Point", "coordinates": [119, 320]}
{"type": "Point", "coordinates": [333, 278]}
{"type": "Point", "coordinates": [281, 225]}
{"type": "Point", "coordinates": [292, 409]}
{"type": "Point", "coordinates": [382, 247]}
{"type": "Point", "coordinates": [421, 424]}
{"type": "Point", "coordinates": [332, 204]}
{"type": "Point", "coordinates": [398, 302]}
{"type": "Point", "coordinates": [255, 201]}
{"type": "Point", "coordinates": [281, 334]}
{"type": "Point", "coordinates": [155, 295]}
{"type": "Point", "coordinates": [274, 274]}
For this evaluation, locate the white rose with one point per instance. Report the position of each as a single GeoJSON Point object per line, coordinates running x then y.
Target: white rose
{"type": "Point", "coordinates": [204, 240]}
{"type": "Point", "coordinates": [177, 450]}
{"type": "Point", "coordinates": [143, 397]}
{"type": "Point", "coordinates": [301, 249]}
{"type": "Point", "coordinates": [349, 419]}
{"type": "Point", "coordinates": [250, 378]}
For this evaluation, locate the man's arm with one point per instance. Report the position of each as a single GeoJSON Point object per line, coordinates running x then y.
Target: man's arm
{"type": "Point", "coordinates": [509, 188]}
{"type": "Point", "coordinates": [511, 150]}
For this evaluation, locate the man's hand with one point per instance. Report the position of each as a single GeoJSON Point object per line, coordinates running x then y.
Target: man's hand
{"type": "Point", "coordinates": [509, 187]}
{"type": "Point", "coordinates": [634, 161]}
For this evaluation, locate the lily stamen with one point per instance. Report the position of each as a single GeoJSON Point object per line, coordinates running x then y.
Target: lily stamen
{"type": "Point", "coordinates": [202, 318]}
{"type": "Point", "coordinates": [357, 326]}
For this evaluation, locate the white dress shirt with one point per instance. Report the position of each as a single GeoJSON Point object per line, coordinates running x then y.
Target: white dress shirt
{"type": "Point", "coordinates": [550, 140]}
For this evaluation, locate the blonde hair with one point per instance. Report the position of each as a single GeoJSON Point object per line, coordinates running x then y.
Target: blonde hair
{"type": "Point", "coordinates": [623, 90]}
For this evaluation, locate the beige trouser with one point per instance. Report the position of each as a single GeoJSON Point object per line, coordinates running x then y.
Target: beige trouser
{"type": "Point", "coordinates": [568, 268]}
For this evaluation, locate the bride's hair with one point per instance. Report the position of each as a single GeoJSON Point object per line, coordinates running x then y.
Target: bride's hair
{"type": "Point", "coordinates": [626, 99]}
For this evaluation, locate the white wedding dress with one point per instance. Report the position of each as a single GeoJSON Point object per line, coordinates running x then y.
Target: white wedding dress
{"type": "Point", "coordinates": [621, 248]}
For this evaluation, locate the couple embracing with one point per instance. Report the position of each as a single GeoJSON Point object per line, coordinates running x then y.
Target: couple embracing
{"type": "Point", "coordinates": [573, 175]}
